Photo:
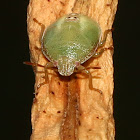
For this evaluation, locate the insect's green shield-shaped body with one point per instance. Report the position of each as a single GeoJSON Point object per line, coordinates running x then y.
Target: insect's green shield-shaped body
{"type": "Point", "coordinates": [70, 41]}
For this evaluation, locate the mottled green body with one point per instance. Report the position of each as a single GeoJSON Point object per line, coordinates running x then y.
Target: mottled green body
{"type": "Point", "coordinates": [70, 41]}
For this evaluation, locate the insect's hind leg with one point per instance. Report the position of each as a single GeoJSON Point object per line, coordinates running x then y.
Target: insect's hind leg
{"type": "Point", "coordinates": [102, 43]}
{"type": "Point", "coordinates": [42, 28]}
{"type": "Point", "coordinates": [97, 54]}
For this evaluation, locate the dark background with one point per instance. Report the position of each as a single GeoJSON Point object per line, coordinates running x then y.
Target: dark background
{"type": "Point", "coordinates": [17, 88]}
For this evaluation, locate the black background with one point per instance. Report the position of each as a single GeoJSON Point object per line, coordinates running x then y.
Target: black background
{"type": "Point", "coordinates": [17, 80]}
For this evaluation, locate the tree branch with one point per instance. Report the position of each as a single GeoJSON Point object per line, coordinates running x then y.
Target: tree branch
{"type": "Point", "coordinates": [65, 107]}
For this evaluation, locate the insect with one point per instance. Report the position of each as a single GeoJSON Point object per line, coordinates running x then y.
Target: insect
{"type": "Point", "coordinates": [71, 41]}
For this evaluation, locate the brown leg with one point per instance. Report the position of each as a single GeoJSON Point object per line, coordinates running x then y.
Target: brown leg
{"type": "Point", "coordinates": [97, 54]}
{"type": "Point", "coordinates": [32, 64]}
{"type": "Point", "coordinates": [84, 70]}
{"type": "Point", "coordinates": [42, 28]}
{"type": "Point", "coordinates": [101, 43]}
{"type": "Point", "coordinates": [49, 65]}
{"type": "Point", "coordinates": [96, 67]}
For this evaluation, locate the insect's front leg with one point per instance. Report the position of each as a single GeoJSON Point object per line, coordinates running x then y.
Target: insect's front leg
{"type": "Point", "coordinates": [84, 70]}
{"type": "Point", "coordinates": [49, 65]}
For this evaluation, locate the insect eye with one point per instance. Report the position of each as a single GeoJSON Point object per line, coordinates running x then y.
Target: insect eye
{"type": "Point", "coordinates": [72, 17]}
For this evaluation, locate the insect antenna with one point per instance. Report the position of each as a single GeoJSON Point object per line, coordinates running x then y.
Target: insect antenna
{"type": "Point", "coordinates": [32, 64]}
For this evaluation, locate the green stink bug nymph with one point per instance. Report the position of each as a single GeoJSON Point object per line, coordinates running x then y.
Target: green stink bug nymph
{"type": "Point", "coordinates": [71, 41]}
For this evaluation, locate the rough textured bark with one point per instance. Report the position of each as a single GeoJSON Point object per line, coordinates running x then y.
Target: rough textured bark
{"type": "Point", "coordinates": [65, 108]}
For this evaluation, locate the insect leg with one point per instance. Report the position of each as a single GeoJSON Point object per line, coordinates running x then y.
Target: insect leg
{"type": "Point", "coordinates": [49, 65]}
{"type": "Point", "coordinates": [95, 67]}
{"type": "Point", "coordinates": [97, 54]}
{"type": "Point", "coordinates": [42, 28]}
{"type": "Point", "coordinates": [84, 70]}
{"type": "Point", "coordinates": [102, 42]}
{"type": "Point", "coordinates": [32, 64]}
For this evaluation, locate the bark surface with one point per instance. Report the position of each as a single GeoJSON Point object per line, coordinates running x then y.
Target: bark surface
{"type": "Point", "coordinates": [65, 108]}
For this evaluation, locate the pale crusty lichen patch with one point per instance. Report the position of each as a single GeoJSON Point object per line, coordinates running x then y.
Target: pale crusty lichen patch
{"type": "Point", "coordinates": [95, 110]}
